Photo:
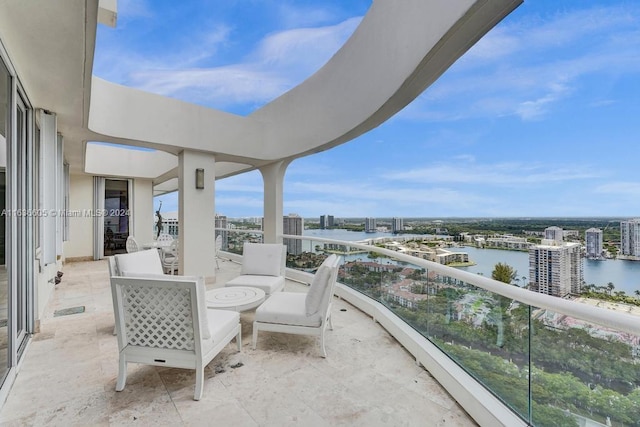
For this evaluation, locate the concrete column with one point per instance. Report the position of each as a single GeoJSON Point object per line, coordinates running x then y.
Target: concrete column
{"type": "Point", "coordinates": [273, 177]}
{"type": "Point", "coordinates": [196, 215]}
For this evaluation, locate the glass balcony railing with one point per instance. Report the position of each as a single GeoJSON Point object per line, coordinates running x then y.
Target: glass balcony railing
{"type": "Point", "coordinates": [550, 361]}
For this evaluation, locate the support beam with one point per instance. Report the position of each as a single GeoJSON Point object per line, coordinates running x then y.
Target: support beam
{"type": "Point", "coordinates": [273, 177]}
{"type": "Point", "coordinates": [196, 215]}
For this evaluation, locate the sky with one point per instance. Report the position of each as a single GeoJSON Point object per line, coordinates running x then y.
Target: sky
{"type": "Point", "coordinates": [539, 119]}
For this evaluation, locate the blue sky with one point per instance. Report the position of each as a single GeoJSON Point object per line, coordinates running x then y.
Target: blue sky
{"type": "Point", "coordinates": [540, 118]}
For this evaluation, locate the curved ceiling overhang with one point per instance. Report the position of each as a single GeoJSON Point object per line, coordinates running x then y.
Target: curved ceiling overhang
{"type": "Point", "coordinates": [114, 160]}
{"type": "Point", "coordinates": [398, 49]}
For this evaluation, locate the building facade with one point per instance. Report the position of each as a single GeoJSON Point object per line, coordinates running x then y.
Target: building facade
{"type": "Point", "coordinates": [630, 237]}
{"type": "Point", "coordinates": [293, 224]}
{"type": "Point", "coordinates": [370, 225]}
{"type": "Point", "coordinates": [556, 268]}
{"type": "Point", "coordinates": [554, 233]}
{"type": "Point", "coordinates": [593, 243]}
{"type": "Point", "coordinates": [397, 225]}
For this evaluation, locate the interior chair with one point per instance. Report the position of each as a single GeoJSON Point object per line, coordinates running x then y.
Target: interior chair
{"type": "Point", "coordinates": [132, 245]}
{"type": "Point", "coordinates": [301, 313]}
{"type": "Point", "coordinates": [164, 321]}
{"type": "Point", "coordinates": [263, 266]}
{"type": "Point", "coordinates": [218, 248]}
{"type": "Point", "coordinates": [169, 257]}
{"type": "Point", "coordinates": [164, 237]}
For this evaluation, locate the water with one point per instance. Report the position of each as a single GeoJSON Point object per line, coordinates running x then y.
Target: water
{"type": "Point", "coordinates": [625, 275]}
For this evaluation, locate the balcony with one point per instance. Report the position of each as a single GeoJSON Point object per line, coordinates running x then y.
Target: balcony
{"type": "Point", "coordinates": [69, 372]}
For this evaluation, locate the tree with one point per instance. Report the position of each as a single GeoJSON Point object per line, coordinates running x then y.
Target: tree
{"type": "Point", "coordinates": [610, 287]}
{"type": "Point", "coordinates": [504, 273]}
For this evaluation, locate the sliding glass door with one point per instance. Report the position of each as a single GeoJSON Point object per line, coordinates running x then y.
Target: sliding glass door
{"type": "Point", "coordinates": [116, 215]}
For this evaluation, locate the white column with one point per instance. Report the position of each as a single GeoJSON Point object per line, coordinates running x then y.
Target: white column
{"type": "Point", "coordinates": [196, 215]}
{"type": "Point", "coordinates": [273, 177]}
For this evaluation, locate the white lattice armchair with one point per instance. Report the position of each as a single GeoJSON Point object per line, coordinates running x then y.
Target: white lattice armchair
{"type": "Point", "coordinates": [164, 321]}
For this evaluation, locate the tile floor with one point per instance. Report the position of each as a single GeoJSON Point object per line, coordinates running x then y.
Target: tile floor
{"type": "Point", "coordinates": [69, 373]}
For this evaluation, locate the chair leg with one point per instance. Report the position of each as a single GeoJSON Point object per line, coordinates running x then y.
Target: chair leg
{"type": "Point", "coordinates": [217, 264]}
{"type": "Point", "coordinates": [255, 335]}
{"type": "Point", "coordinates": [199, 380]}
{"type": "Point", "coordinates": [239, 338]}
{"type": "Point", "coordinates": [122, 374]}
{"type": "Point", "coordinates": [324, 351]}
{"type": "Point", "coordinates": [330, 322]}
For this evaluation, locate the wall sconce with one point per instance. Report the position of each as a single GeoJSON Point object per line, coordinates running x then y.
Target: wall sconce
{"type": "Point", "coordinates": [199, 179]}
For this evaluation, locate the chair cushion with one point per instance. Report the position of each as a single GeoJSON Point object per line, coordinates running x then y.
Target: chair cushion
{"type": "Point", "coordinates": [269, 284]}
{"type": "Point", "coordinates": [319, 286]}
{"type": "Point", "coordinates": [221, 322]}
{"type": "Point", "coordinates": [205, 333]}
{"type": "Point", "coordinates": [147, 261]}
{"type": "Point", "coordinates": [287, 308]}
{"type": "Point", "coordinates": [262, 259]}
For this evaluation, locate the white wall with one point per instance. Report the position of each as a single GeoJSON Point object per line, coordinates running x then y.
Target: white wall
{"type": "Point", "coordinates": [143, 210]}
{"type": "Point", "coordinates": [80, 242]}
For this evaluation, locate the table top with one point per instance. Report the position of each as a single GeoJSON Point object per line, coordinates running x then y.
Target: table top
{"type": "Point", "coordinates": [155, 244]}
{"type": "Point", "coordinates": [237, 298]}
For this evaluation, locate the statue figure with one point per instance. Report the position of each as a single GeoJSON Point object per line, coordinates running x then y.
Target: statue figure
{"type": "Point", "coordinates": [159, 223]}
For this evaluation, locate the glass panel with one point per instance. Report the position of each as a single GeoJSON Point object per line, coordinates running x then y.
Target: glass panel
{"type": "Point", "coordinates": [116, 218]}
{"type": "Point", "coordinates": [20, 262]}
{"type": "Point", "coordinates": [550, 369]}
{"type": "Point", "coordinates": [5, 86]}
{"type": "Point", "coordinates": [583, 373]}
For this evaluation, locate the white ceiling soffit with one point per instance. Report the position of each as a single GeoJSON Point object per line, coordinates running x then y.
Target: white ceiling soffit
{"type": "Point", "coordinates": [168, 186]}
{"type": "Point", "coordinates": [112, 160]}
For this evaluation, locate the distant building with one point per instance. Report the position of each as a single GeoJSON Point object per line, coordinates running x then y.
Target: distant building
{"type": "Point", "coordinates": [593, 243]}
{"type": "Point", "coordinates": [630, 237]}
{"type": "Point", "coordinates": [327, 221]}
{"type": "Point", "coordinates": [293, 224]}
{"type": "Point", "coordinates": [556, 268]}
{"type": "Point", "coordinates": [369, 225]}
{"type": "Point", "coordinates": [508, 242]}
{"type": "Point", "coordinates": [397, 225]}
{"type": "Point", "coordinates": [554, 233]}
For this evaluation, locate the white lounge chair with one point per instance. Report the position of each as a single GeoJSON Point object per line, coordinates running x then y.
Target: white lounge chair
{"type": "Point", "coordinates": [164, 321]}
{"type": "Point", "coordinates": [132, 245]}
{"type": "Point", "coordinates": [301, 313]}
{"type": "Point", "coordinates": [263, 266]}
{"type": "Point", "coordinates": [169, 257]}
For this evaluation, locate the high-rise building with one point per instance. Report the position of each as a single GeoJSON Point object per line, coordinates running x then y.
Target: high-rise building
{"type": "Point", "coordinates": [593, 242]}
{"type": "Point", "coordinates": [369, 225]}
{"type": "Point", "coordinates": [630, 237]}
{"type": "Point", "coordinates": [332, 221]}
{"type": "Point", "coordinates": [293, 224]}
{"type": "Point", "coordinates": [326, 221]}
{"type": "Point", "coordinates": [556, 268]}
{"type": "Point", "coordinates": [397, 225]}
{"type": "Point", "coordinates": [221, 223]}
{"type": "Point", "coordinates": [554, 233]}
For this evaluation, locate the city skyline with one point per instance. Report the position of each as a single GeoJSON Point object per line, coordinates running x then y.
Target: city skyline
{"type": "Point", "coordinates": [536, 120]}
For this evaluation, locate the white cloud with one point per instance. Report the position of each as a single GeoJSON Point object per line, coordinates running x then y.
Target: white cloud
{"type": "Point", "coordinates": [617, 188]}
{"type": "Point", "coordinates": [511, 174]}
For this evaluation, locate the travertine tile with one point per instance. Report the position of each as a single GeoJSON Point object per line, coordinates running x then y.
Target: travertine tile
{"type": "Point", "coordinates": [69, 373]}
